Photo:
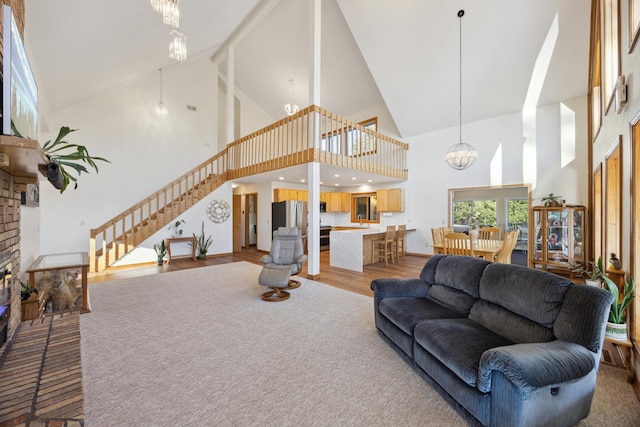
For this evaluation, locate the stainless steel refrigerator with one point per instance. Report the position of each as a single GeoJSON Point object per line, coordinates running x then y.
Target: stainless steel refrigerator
{"type": "Point", "coordinates": [290, 214]}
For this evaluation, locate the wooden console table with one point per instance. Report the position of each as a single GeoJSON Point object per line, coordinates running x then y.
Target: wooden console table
{"type": "Point", "coordinates": [70, 261]}
{"type": "Point", "coordinates": [194, 243]}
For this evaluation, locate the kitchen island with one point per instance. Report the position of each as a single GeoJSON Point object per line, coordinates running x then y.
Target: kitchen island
{"type": "Point", "coordinates": [353, 248]}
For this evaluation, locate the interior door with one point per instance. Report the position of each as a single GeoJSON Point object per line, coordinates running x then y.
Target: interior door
{"type": "Point", "coordinates": [237, 223]}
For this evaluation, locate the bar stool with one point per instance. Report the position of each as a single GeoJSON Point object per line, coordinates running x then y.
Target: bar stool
{"type": "Point", "coordinates": [400, 241]}
{"type": "Point", "coordinates": [383, 248]}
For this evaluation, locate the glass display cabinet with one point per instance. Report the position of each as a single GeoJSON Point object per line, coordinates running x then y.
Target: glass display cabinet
{"type": "Point", "coordinates": [559, 242]}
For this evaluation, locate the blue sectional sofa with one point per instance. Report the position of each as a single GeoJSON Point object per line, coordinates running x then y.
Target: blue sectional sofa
{"type": "Point", "coordinates": [506, 345]}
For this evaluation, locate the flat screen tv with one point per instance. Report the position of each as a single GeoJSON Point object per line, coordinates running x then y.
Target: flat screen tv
{"type": "Point", "coordinates": [19, 90]}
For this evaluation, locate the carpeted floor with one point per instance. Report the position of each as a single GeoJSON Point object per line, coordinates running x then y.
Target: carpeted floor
{"type": "Point", "coordinates": [199, 347]}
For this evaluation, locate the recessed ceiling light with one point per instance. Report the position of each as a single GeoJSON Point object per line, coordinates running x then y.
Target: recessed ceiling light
{"type": "Point", "coordinates": [321, 182]}
{"type": "Point", "coordinates": [354, 178]}
{"type": "Point", "coordinates": [281, 178]}
{"type": "Point", "coordinates": [336, 176]}
{"type": "Point", "coordinates": [337, 185]}
{"type": "Point", "coordinates": [369, 180]}
{"type": "Point", "coordinates": [302, 180]}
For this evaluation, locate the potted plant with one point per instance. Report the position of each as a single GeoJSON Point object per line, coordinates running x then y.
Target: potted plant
{"type": "Point", "coordinates": [473, 224]}
{"type": "Point", "coordinates": [60, 160]}
{"type": "Point", "coordinates": [177, 228]}
{"type": "Point", "coordinates": [592, 273]}
{"type": "Point", "coordinates": [161, 251]}
{"type": "Point", "coordinates": [26, 290]}
{"type": "Point", "coordinates": [203, 244]}
{"type": "Point", "coordinates": [551, 201]}
{"type": "Point", "coordinates": [616, 326]}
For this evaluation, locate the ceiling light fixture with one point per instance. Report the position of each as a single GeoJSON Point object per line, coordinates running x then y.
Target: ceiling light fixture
{"type": "Point", "coordinates": [161, 109]}
{"type": "Point", "coordinates": [171, 13]}
{"type": "Point", "coordinates": [461, 155]}
{"type": "Point", "coordinates": [291, 108]}
{"type": "Point", "coordinates": [158, 5]}
{"type": "Point", "coordinates": [178, 46]}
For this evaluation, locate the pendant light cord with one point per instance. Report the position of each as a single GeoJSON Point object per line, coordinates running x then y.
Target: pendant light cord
{"type": "Point", "coordinates": [460, 15]}
{"type": "Point", "coordinates": [160, 69]}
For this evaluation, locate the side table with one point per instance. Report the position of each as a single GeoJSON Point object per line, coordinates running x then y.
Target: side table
{"type": "Point", "coordinates": [70, 261]}
{"type": "Point", "coordinates": [623, 346]}
{"type": "Point", "coordinates": [194, 243]}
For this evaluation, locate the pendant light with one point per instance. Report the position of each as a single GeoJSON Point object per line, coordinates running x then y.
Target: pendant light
{"type": "Point", "coordinates": [291, 108]}
{"type": "Point", "coordinates": [178, 46]}
{"type": "Point", "coordinates": [171, 13]}
{"type": "Point", "coordinates": [161, 109]}
{"type": "Point", "coordinates": [461, 155]}
{"type": "Point", "coordinates": [158, 5]}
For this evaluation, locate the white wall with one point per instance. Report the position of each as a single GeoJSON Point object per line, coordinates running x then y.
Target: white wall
{"type": "Point", "coordinates": [193, 218]}
{"type": "Point", "coordinates": [499, 142]}
{"type": "Point", "coordinates": [146, 153]}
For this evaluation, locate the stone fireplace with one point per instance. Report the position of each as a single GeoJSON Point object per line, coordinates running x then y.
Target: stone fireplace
{"type": "Point", "coordinates": [9, 256]}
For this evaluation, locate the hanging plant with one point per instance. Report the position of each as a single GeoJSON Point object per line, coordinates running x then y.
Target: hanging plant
{"type": "Point", "coordinates": [64, 156]}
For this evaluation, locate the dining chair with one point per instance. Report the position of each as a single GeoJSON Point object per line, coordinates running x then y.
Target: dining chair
{"type": "Point", "coordinates": [489, 233]}
{"type": "Point", "coordinates": [458, 244]}
{"type": "Point", "coordinates": [510, 240]}
{"type": "Point", "coordinates": [400, 241]}
{"type": "Point", "coordinates": [436, 234]}
{"type": "Point", "coordinates": [383, 248]}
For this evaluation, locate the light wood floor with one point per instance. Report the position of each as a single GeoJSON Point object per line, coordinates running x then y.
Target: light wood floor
{"type": "Point", "coordinates": [409, 266]}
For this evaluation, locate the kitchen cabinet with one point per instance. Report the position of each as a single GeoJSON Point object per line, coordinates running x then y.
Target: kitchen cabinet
{"type": "Point", "coordinates": [390, 200]}
{"type": "Point", "coordinates": [338, 202]}
{"type": "Point", "coordinates": [558, 237]}
{"type": "Point", "coordinates": [284, 194]}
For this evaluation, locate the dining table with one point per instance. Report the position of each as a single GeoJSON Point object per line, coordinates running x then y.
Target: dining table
{"type": "Point", "coordinates": [485, 248]}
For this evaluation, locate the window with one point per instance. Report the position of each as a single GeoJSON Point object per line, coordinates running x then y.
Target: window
{"type": "Point", "coordinates": [595, 89]}
{"type": "Point", "coordinates": [503, 207]}
{"type": "Point", "coordinates": [613, 200]}
{"type": "Point", "coordinates": [483, 210]}
{"type": "Point", "coordinates": [517, 213]}
{"type": "Point", "coordinates": [358, 142]}
{"type": "Point", "coordinates": [364, 207]}
{"type": "Point", "coordinates": [363, 143]}
{"type": "Point", "coordinates": [611, 48]}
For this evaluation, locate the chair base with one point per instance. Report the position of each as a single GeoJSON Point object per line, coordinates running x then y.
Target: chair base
{"type": "Point", "coordinates": [276, 294]}
{"type": "Point", "coordinates": [293, 284]}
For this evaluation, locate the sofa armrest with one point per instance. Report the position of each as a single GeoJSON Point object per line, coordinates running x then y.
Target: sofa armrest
{"type": "Point", "coordinates": [384, 288]}
{"type": "Point", "coordinates": [532, 365]}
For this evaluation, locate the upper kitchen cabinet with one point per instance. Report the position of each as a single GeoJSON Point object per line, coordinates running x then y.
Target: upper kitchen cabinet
{"type": "Point", "coordinates": [391, 200]}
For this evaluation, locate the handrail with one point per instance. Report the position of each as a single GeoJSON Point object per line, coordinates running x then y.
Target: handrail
{"type": "Point", "coordinates": [311, 135]}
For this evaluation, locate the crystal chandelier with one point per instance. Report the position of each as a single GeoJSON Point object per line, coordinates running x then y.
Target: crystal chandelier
{"type": "Point", "coordinates": [178, 46]}
{"type": "Point", "coordinates": [461, 155]}
{"type": "Point", "coordinates": [171, 13]}
{"type": "Point", "coordinates": [291, 108]}
{"type": "Point", "coordinates": [161, 109]}
{"type": "Point", "coordinates": [158, 5]}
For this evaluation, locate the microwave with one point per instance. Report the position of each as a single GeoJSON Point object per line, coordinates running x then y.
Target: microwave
{"type": "Point", "coordinates": [323, 206]}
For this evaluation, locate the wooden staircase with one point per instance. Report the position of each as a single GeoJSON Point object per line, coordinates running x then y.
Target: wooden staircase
{"type": "Point", "coordinates": [307, 136]}
{"type": "Point", "coordinates": [124, 232]}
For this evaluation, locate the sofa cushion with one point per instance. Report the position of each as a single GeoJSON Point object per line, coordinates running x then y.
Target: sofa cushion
{"type": "Point", "coordinates": [513, 327]}
{"type": "Point", "coordinates": [405, 313]}
{"type": "Point", "coordinates": [455, 280]}
{"type": "Point", "coordinates": [458, 344]}
{"type": "Point", "coordinates": [533, 294]}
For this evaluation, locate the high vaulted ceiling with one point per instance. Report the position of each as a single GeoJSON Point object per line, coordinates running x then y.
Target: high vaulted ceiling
{"type": "Point", "coordinates": [404, 54]}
